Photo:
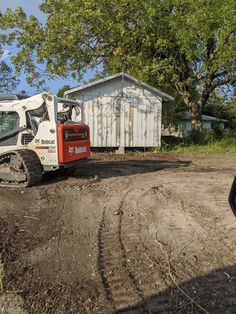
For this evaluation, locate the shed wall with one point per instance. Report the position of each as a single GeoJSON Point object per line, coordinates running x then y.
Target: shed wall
{"type": "Point", "coordinates": [121, 113]}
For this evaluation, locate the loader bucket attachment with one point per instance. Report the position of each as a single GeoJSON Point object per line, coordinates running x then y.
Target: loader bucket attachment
{"type": "Point", "coordinates": [232, 196]}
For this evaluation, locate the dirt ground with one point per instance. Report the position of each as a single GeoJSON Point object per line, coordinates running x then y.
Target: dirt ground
{"type": "Point", "coordinates": [139, 233]}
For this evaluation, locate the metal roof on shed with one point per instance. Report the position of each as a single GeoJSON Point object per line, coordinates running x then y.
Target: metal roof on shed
{"type": "Point", "coordinates": [204, 118]}
{"type": "Point", "coordinates": [122, 75]}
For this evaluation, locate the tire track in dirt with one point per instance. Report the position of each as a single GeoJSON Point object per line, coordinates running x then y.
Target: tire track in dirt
{"type": "Point", "coordinates": [150, 272]}
{"type": "Point", "coordinates": [128, 275]}
{"type": "Point", "coordinates": [120, 285]}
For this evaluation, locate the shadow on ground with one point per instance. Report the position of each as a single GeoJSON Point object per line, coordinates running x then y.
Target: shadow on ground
{"type": "Point", "coordinates": [213, 293]}
{"type": "Point", "coordinates": [109, 169]}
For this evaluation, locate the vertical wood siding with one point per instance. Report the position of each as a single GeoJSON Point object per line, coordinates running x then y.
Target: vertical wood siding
{"type": "Point", "coordinates": [121, 113]}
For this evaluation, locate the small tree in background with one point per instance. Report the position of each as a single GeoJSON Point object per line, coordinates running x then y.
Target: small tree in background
{"type": "Point", "coordinates": [62, 90]}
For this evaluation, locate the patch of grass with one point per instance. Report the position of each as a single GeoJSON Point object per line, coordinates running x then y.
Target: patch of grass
{"type": "Point", "coordinates": [217, 146]}
{"type": "Point", "coordinates": [18, 300]}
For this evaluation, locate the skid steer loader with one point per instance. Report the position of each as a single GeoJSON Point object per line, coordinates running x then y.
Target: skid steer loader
{"type": "Point", "coordinates": [37, 135]}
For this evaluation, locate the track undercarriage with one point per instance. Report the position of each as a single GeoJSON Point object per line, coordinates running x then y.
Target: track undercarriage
{"type": "Point", "coordinates": [20, 168]}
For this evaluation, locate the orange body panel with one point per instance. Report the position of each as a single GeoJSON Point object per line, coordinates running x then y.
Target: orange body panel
{"type": "Point", "coordinates": [73, 142]}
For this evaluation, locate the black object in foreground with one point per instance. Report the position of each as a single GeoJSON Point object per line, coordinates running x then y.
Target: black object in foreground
{"type": "Point", "coordinates": [232, 196]}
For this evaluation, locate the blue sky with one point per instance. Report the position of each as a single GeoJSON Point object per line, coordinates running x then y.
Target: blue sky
{"type": "Point", "coordinates": [32, 7]}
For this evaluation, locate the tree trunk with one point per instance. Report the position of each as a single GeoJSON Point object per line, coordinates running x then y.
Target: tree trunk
{"type": "Point", "coordinates": [196, 121]}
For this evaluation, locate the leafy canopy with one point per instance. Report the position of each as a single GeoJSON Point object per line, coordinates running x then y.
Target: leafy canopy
{"type": "Point", "coordinates": [8, 81]}
{"type": "Point", "coordinates": [185, 45]}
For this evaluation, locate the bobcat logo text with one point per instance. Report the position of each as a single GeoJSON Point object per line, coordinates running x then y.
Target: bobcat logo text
{"type": "Point", "coordinates": [77, 150]}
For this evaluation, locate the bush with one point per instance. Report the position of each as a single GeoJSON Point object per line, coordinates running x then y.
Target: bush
{"type": "Point", "coordinates": [224, 141]}
{"type": "Point", "coordinates": [229, 133]}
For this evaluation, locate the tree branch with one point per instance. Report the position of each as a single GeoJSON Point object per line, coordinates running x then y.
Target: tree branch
{"type": "Point", "coordinates": [226, 80]}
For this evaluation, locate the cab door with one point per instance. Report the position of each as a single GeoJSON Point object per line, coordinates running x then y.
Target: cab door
{"type": "Point", "coordinates": [9, 121]}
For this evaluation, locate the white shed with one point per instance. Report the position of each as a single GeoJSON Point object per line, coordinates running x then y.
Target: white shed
{"type": "Point", "coordinates": [121, 111]}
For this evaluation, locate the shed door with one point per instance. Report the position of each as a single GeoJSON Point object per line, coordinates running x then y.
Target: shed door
{"type": "Point", "coordinates": [102, 114]}
{"type": "Point", "coordinates": [140, 122]}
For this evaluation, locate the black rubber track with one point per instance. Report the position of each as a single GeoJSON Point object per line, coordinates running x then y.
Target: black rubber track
{"type": "Point", "coordinates": [32, 168]}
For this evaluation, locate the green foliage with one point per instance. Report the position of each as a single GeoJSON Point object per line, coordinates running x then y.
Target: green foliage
{"type": "Point", "coordinates": [173, 112]}
{"type": "Point", "coordinates": [216, 105]}
{"type": "Point", "coordinates": [220, 107]}
{"type": "Point", "coordinates": [8, 81]}
{"type": "Point", "coordinates": [62, 90]}
{"type": "Point", "coordinates": [220, 146]}
{"type": "Point", "coordinates": [177, 41]}
{"type": "Point", "coordinates": [230, 113]}
{"type": "Point", "coordinates": [215, 140]}
{"type": "Point", "coordinates": [186, 46]}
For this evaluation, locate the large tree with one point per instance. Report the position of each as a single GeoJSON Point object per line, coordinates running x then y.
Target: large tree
{"type": "Point", "coordinates": [8, 81]}
{"type": "Point", "coordinates": [186, 45]}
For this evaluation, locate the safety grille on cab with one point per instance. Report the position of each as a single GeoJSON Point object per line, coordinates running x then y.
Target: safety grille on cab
{"type": "Point", "coordinates": [26, 139]}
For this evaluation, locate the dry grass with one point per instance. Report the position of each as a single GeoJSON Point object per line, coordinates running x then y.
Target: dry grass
{"type": "Point", "coordinates": [1, 273]}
